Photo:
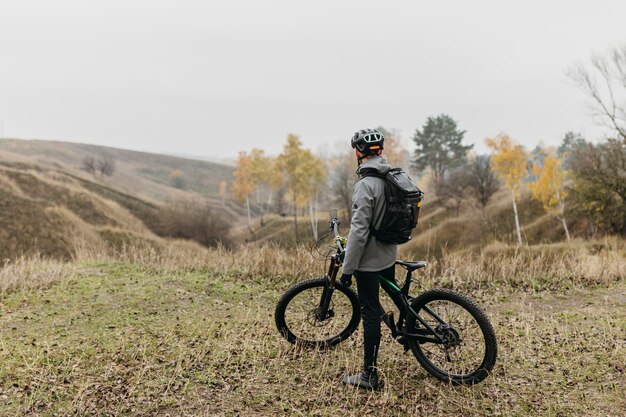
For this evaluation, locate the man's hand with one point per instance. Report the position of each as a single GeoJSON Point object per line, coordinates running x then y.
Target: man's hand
{"type": "Point", "coordinates": [346, 280]}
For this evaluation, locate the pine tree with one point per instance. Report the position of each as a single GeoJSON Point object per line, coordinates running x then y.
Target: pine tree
{"type": "Point", "coordinates": [439, 147]}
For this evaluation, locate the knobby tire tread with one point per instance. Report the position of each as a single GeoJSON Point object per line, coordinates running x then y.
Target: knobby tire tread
{"type": "Point", "coordinates": [297, 288]}
{"type": "Point", "coordinates": [479, 315]}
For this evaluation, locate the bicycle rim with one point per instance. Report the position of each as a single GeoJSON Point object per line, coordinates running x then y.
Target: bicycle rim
{"type": "Point", "coordinates": [469, 351]}
{"type": "Point", "coordinates": [301, 323]}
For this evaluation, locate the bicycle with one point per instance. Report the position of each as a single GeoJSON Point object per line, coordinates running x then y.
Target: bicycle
{"type": "Point", "coordinates": [439, 340]}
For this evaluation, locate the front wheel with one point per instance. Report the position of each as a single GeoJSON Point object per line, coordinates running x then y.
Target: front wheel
{"type": "Point", "coordinates": [468, 351]}
{"type": "Point", "coordinates": [299, 320]}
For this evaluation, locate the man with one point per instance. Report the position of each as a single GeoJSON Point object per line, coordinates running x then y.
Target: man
{"type": "Point", "coordinates": [366, 257]}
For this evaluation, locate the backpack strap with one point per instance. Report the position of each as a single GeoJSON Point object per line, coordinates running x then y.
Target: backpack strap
{"type": "Point", "coordinates": [372, 172]}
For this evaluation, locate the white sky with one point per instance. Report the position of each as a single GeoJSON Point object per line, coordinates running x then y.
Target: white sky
{"type": "Point", "coordinates": [216, 77]}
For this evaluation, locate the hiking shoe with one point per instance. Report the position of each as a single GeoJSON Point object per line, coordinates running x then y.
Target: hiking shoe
{"type": "Point", "coordinates": [366, 380]}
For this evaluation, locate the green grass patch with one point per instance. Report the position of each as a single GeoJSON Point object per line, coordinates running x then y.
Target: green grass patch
{"type": "Point", "coordinates": [126, 340]}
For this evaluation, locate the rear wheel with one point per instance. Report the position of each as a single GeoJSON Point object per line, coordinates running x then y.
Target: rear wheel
{"type": "Point", "coordinates": [298, 318]}
{"type": "Point", "coordinates": [468, 353]}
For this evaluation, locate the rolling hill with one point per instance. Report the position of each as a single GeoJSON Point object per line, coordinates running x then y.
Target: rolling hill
{"type": "Point", "coordinates": [137, 173]}
{"type": "Point", "coordinates": [441, 230]}
{"type": "Point", "coordinates": [49, 206]}
{"type": "Point", "coordinates": [46, 200]}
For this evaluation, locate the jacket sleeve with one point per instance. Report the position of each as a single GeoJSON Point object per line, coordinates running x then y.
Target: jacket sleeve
{"type": "Point", "coordinates": [362, 208]}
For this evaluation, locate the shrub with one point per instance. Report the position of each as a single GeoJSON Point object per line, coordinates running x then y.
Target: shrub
{"type": "Point", "coordinates": [195, 220]}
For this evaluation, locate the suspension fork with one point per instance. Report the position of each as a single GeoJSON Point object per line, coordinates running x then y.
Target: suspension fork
{"type": "Point", "coordinates": [321, 312]}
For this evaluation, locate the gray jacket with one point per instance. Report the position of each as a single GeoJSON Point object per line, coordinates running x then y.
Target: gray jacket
{"type": "Point", "coordinates": [364, 252]}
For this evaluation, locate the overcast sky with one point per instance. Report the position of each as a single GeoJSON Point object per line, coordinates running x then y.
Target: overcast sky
{"type": "Point", "coordinates": [211, 78]}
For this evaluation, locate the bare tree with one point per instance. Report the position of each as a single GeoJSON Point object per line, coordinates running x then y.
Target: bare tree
{"type": "Point", "coordinates": [342, 185]}
{"type": "Point", "coordinates": [89, 164]}
{"type": "Point", "coordinates": [605, 83]}
{"type": "Point", "coordinates": [106, 166]}
{"type": "Point", "coordinates": [455, 188]}
{"type": "Point", "coordinates": [481, 180]}
{"type": "Point", "coordinates": [600, 183]}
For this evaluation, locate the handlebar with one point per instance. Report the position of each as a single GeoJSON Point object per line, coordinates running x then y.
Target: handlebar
{"type": "Point", "coordinates": [334, 228]}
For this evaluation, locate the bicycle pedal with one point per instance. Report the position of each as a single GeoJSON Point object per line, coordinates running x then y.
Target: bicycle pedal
{"type": "Point", "coordinates": [404, 342]}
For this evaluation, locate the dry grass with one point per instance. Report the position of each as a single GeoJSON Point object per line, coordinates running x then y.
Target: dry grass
{"type": "Point", "coordinates": [536, 268]}
{"type": "Point", "coordinates": [250, 261]}
{"type": "Point", "coordinates": [177, 329]}
{"type": "Point", "coordinates": [539, 267]}
{"type": "Point", "coordinates": [33, 273]}
{"type": "Point", "coordinates": [129, 340]}
{"type": "Point", "coordinates": [498, 267]}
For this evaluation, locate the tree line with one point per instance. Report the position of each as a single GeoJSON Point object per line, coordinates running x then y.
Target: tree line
{"type": "Point", "coordinates": [579, 178]}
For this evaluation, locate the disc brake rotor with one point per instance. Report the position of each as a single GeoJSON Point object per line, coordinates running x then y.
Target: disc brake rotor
{"type": "Point", "coordinates": [313, 320]}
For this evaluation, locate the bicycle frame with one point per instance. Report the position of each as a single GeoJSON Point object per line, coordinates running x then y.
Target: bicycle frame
{"type": "Point", "coordinates": [427, 334]}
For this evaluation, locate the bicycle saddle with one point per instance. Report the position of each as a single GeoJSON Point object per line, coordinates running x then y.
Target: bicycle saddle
{"type": "Point", "coordinates": [412, 265]}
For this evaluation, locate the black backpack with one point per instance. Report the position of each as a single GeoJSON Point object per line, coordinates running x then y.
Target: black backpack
{"type": "Point", "coordinates": [402, 206]}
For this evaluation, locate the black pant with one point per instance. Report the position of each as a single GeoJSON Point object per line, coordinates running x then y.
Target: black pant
{"type": "Point", "coordinates": [371, 310]}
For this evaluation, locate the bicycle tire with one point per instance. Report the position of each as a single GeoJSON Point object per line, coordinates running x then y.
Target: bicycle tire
{"type": "Point", "coordinates": [490, 345]}
{"type": "Point", "coordinates": [292, 335]}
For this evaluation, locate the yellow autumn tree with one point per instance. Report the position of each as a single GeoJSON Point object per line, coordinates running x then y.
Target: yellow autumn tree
{"type": "Point", "coordinates": [508, 162]}
{"type": "Point", "coordinates": [293, 163]}
{"type": "Point", "coordinates": [315, 180]}
{"type": "Point", "coordinates": [262, 172]}
{"type": "Point", "coordinates": [243, 183]}
{"type": "Point", "coordinates": [549, 188]}
{"type": "Point", "coordinates": [259, 170]}
{"type": "Point", "coordinates": [177, 179]}
{"type": "Point", "coordinates": [276, 183]}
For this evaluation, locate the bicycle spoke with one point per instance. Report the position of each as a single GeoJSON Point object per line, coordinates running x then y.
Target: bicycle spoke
{"type": "Point", "coordinates": [464, 349]}
{"type": "Point", "coordinates": [302, 320]}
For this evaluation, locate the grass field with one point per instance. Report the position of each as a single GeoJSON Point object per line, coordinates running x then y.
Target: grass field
{"type": "Point", "coordinates": [147, 334]}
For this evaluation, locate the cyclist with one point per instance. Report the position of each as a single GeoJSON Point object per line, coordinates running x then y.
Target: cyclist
{"type": "Point", "coordinates": [367, 258]}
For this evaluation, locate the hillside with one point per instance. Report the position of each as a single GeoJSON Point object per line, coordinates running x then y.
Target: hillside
{"type": "Point", "coordinates": [51, 212]}
{"type": "Point", "coordinates": [49, 206]}
{"type": "Point", "coordinates": [136, 173]}
{"type": "Point", "coordinates": [54, 213]}
{"type": "Point", "coordinates": [50, 197]}
{"type": "Point", "coordinates": [440, 229]}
